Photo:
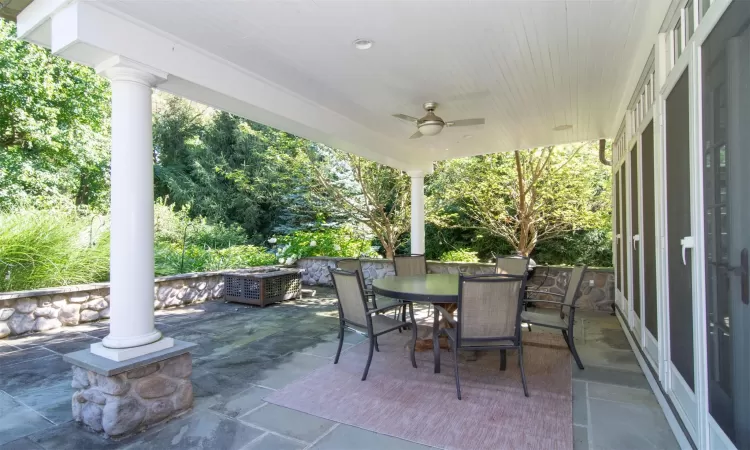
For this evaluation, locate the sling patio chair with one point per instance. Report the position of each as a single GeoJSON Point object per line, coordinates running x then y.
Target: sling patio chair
{"type": "Point", "coordinates": [566, 319]}
{"type": "Point", "coordinates": [408, 265]}
{"type": "Point", "coordinates": [488, 318]}
{"type": "Point", "coordinates": [512, 266]}
{"type": "Point", "coordinates": [355, 265]}
{"type": "Point", "coordinates": [355, 313]}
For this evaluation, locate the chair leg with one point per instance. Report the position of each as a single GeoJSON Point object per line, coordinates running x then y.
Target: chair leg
{"type": "Point", "coordinates": [565, 335]}
{"type": "Point", "coordinates": [413, 336]}
{"type": "Point", "coordinates": [375, 339]}
{"type": "Point", "coordinates": [572, 346]}
{"type": "Point", "coordinates": [455, 369]}
{"type": "Point", "coordinates": [523, 374]}
{"type": "Point", "coordinates": [369, 359]}
{"type": "Point", "coordinates": [503, 359]}
{"type": "Point", "coordinates": [341, 344]}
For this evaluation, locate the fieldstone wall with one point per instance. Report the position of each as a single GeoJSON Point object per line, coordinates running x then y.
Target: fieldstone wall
{"type": "Point", "coordinates": [47, 309]}
{"type": "Point", "coordinates": [126, 403]}
{"type": "Point", "coordinates": [597, 291]}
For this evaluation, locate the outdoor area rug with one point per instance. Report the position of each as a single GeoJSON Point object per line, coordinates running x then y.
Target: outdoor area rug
{"type": "Point", "coordinates": [421, 406]}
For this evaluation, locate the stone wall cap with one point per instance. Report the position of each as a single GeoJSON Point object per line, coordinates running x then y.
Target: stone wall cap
{"type": "Point", "coordinates": [103, 366]}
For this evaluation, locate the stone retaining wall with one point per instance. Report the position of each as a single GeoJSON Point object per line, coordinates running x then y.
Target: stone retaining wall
{"type": "Point", "coordinates": [47, 309]}
{"type": "Point", "coordinates": [596, 293]}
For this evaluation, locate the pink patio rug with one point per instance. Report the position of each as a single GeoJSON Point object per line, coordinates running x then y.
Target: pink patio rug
{"type": "Point", "coordinates": [420, 406]}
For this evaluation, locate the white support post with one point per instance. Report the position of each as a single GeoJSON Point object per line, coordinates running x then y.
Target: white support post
{"type": "Point", "coordinates": [417, 212]}
{"type": "Point", "coordinates": [131, 329]}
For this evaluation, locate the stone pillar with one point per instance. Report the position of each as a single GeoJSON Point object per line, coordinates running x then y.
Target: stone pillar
{"type": "Point", "coordinates": [417, 211]}
{"type": "Point", "coordinates": [120, 399]}
{"type": "Point", "coordinates": [132, 333]}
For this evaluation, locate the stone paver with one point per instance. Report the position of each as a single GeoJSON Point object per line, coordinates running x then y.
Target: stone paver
{"type": "Point", "coordinates": [288, 422]}
{"type": "Point", "coordinates": [270, 441]}
{"type": "Point", "coordinates": [245, 352]}
{"type": "Point", "coordinates": [242, 403]}
{"type": "Point", "coordinates": [346, 437]}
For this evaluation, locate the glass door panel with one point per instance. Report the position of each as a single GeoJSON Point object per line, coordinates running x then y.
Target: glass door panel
{"type": "Point", "coordinates": [648, 236]}
{"type": "Point", "coordinates": [618, 232]}
{"type": "Point", "coordinates": [677, 127]}
{"type": "Point", "coordinates": [625, 238]}
{"type": "Point", "coordinates": [635, 245]}
{"type": "Point", "coordinates": [726, 213]}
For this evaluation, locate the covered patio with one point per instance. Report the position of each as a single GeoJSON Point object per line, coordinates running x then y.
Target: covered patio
{"type": "Point", "coordinates": [514, 75]}
{"type": "Point", "coordinates": [245, 354]}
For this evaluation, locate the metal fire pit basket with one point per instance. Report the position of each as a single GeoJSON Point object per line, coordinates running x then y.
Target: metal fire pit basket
{"type": "Point", "coordinates": [263, 288]}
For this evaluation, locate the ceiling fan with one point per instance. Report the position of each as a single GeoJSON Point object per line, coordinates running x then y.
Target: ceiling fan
{"type": "Point", "coordinates": [430, 124]}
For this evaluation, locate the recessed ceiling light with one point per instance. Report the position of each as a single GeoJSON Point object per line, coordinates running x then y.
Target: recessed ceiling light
{"type": "Point", "coordinates": [468, 136]}
{"type": "Point", "coordinates": [563, 127]}
{"type": "Point", "coordinates": [362, 44]}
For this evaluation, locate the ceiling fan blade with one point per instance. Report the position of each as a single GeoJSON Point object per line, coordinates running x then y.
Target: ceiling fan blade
{"type": "Point", "coordinates": [464, 122]}
{"type": "Point", "coordinates": [406, 118]}
{"type": "Point", "coordinates": [416, 135]}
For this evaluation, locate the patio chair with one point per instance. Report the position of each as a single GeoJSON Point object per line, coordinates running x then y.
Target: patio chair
{"type": "Point", "coordinates": [355, 313]}
{"type": "Point", "coordinates": [489, 318]}
{"type": "Point", "coordinates": [355, 265]}
{"type": "Point", "coordinates": [511, 266]}
{"type": "Point", "coordinates": [408, 265]}
{"type": "Point", "coordinates": [566, 319]}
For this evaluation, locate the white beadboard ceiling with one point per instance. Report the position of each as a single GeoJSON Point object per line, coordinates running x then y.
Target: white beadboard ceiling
{"type": "Point", "coordinates": [527, 66]}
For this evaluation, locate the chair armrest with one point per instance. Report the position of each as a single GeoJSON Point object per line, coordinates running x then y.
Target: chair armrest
{"type": "Point", "coordinates": [545, 292]}
{"type": "Point", "coordinates": [551, 302]}
{"type": "Point", "coordinates": [384, 308]}
{"type": "Point", "coordinates": [448, 316]}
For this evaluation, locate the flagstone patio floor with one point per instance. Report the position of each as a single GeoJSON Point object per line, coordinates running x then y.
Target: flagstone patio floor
{"type": "Point", "coordinates": [246, 352]}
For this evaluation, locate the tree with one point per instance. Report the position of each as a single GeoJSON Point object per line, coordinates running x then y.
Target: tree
{"type": "Point", "coordinates": [227, 168]}
{"type": "Point", "coordinates": [525, 197]}
{"type": "Point", "coordinates": [54, 128]}
{"type": "Point", "coordinates": [369, 193]}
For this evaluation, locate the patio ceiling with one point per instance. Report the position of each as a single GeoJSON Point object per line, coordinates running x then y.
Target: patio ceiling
{"type": "Point", "coordinates": [526, 66]}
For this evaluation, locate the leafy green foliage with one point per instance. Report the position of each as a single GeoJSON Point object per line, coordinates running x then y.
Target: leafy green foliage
{"type": "Point", "coordinates": [169, 258]}
{"type": "Point", "coordinates": [51, 248]}
{"type": "Point", "coordinates": [363, 191]}
{"type": "Point", "coordinates": [463, 255]}
{"type": "Point", "coordinates": [323, 240]}
{"type": "Point", "coordinates": [524, 197]}
{"type": "Point", "coordinates": [228, 169]}
{"type": "Point", "coordinates": [54, 129]}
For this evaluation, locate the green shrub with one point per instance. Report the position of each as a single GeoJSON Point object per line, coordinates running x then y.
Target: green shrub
{"type": "Point", "coordinates": [169, 259]}
{"type": "Point", "coordinates": [323, 241]}
{"type": "Point", "coordinates": [174, 226]}
{"type": "Point", "coordinates": [51, 248]}
{"type": "Point", "coordinates": [462, 255]}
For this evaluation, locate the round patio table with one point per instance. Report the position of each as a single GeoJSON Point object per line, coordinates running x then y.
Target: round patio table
{"type": "Point", "coordinates": [431, 288]}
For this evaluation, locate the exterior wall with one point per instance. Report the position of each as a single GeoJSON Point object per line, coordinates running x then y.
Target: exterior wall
{"type": "Point", "coordinates": [47, 309]}
{"type": "Point", "coordinates": [597, 296]}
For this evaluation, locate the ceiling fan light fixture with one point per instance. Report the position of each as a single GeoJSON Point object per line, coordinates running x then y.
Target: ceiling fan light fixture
{"type": "Point", "coordinates": [430, 129]}
{"type": "Point", "coordinates": [362, 44]}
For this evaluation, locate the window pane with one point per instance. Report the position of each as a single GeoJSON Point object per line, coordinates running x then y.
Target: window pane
{"type": "Point", "coordinates": [704, 6]}
{"type": "Point", "coordinates": [677, 39]}
{"type": "Point", "coordinates": [690, 18]}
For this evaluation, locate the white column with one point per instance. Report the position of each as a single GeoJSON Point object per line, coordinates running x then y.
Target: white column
{"type": "Point", "coordinates": [417, 211]}
{"type": "Point", "coordinates": [131, 329]}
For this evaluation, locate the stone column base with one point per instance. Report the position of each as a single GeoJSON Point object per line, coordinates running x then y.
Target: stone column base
{"type": "Point", "coordinates": [134, 399]}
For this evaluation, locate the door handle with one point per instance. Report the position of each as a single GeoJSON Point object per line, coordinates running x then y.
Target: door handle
{"type": "Point", "coordinates": [742, 272]}
{"type": "Point", "coordinates": [686, 242]}
{"type": "Point", "coordinates": [636, 238]}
